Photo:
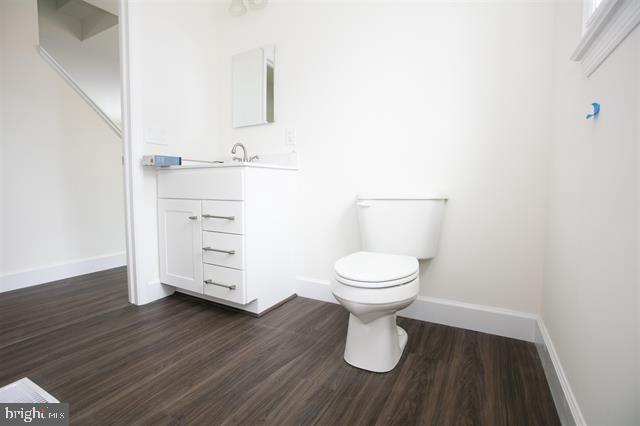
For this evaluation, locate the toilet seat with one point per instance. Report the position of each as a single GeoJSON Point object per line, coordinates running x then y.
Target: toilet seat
{"type": "Point", "coordinates": [376, 270]}
{"type": "Point", "coordinates": [374, 285]}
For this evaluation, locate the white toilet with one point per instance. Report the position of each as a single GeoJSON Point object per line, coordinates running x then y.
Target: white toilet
{"type": "Point", "coordinates": [376, 283]}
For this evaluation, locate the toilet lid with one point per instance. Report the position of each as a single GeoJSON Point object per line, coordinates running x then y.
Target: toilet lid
{"type": "Point", "coordinates": [376, 270]}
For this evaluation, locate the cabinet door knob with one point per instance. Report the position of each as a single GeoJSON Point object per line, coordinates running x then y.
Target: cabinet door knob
{"type": "Point", "coordinates": [230, 287]}
{"type": "Point", "coordinates": [193, 217]}
{"type": "Point", "coordinates": [219, 250]}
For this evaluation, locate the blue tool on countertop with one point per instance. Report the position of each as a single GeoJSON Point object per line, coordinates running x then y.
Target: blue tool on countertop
{"type": "Point", "coordinates": [161, 160]}
{"type": "Point", "coordinates": [170, 160]}
{"type": "Point", "coordinates": [596, 110]}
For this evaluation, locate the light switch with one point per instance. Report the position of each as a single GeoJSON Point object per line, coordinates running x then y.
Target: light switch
{"type": "Point", "coordinates": [155, 137]}
{"type": "Point", "coordinates": [290, 136]}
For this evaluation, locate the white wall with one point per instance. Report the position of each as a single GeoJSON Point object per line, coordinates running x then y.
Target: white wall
{"type": "Point", "coordinates": [417, 97]}
{"type": "Point", "coordinates": [61, 176]}
{"type": "Point", "coordinates": [591, 290]}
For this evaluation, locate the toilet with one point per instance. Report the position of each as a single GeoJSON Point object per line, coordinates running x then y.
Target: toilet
{"type": "Point", "coordinates": [374, 284]}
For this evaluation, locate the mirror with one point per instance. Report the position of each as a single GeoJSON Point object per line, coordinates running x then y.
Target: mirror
{"type": "Point", "coordinates": [252, 75]}
{"type": "Point", "coordinates": [79, 39]}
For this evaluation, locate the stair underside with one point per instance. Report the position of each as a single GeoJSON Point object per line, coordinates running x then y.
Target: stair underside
{"type": "Point", "coordinates": [93, 20]}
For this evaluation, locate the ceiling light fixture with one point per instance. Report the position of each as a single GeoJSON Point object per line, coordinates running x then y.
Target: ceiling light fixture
{"type": "Point", "coordinates": [238, 7]}
{"type": "Point", "coordinates": [257, 4]}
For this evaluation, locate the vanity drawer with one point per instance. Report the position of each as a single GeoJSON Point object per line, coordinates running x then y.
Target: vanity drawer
{"type": "Point", "coordinates": [223, 216]}
{"type": "Point", "coordinates": [223, 249]}
{"type": "Point", "coordinates": [225, 183]}
{"type": "Point", "coordinates": [224, 283]}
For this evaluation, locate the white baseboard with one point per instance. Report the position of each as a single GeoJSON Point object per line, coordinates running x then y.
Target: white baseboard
{"type": "Point", "coordinates": [486, 319]}
{"type": "Point", "coordinates": [563, 397]}
{"type": "Point", "coordinates": [313, 288]}
{"type": "Point", "coordinates": [30, 277]}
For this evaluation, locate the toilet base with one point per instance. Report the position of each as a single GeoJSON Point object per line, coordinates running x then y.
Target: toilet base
{"type": "Point", "coordinates": [375, 346]}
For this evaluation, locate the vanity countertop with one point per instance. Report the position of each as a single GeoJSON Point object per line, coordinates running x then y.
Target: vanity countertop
{"type": "Point", "coordinates": [257, 165]}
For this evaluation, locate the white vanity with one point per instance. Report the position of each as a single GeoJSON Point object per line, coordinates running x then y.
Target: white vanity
{"type": "Point", "coordinates": [226, 233]}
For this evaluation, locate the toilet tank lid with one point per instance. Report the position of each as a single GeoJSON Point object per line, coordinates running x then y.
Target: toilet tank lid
{"type": "Point", "coordinates": [409, 196]}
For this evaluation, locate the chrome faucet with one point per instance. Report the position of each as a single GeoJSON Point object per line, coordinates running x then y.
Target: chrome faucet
{"type": "Point", "coordinates": [245, 158]}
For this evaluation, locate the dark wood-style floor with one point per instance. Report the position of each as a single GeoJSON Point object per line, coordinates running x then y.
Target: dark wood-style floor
{"type": "Point", "coordinates": [184, 361]}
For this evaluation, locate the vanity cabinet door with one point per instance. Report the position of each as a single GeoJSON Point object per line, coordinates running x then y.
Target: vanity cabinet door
{"type": "Point", "coordinates": [180, 244]}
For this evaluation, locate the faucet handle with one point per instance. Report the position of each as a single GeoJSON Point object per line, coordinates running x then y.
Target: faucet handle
{"type": "Point", "coordinates": [255, 157]}
{"type": "Point", "coordinates": [237, 159]}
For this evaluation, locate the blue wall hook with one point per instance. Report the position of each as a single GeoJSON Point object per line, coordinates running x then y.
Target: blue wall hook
{"type": "Point", "coordinates": [596, 110]}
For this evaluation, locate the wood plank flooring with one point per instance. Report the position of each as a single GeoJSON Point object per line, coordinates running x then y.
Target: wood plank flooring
{"type": "Point", "coordinates": [185, 361]}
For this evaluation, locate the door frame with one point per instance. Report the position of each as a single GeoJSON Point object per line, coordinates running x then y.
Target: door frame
{"type": "Point", "coordinates": [127, 152]}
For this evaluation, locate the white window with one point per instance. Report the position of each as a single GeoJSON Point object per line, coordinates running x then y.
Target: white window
{"type": "Point", "coordinates": [605, 23]}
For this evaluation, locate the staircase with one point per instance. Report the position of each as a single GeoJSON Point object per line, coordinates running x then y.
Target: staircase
{"type": "Point", "coordinates": [92, 19]}
{"type": "Point", "coordinates": [80, 40]}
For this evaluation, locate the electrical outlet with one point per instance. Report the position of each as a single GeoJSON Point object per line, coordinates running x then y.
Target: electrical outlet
{"type": "Point", "coordinates": [290, 136]}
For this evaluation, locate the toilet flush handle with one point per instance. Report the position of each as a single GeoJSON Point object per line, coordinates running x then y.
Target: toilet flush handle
{"type": "Point", "coordinates": [363, 204]}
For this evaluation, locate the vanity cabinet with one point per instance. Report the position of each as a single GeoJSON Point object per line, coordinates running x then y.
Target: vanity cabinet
{"type": "Point", "coordinates": [227, 233]}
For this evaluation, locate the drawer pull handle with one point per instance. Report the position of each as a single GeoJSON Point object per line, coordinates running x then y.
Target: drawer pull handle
{"type": "Point", "coordinates": [193, 217]}
{"type": "Point", "coordinates": [230, 287]}
{"type": "Point", "coordinates": [213, 216]}
{"type": "Point", "coordinates": [219, 250]}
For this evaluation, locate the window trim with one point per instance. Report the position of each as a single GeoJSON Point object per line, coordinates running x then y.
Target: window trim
{"type": "Point", "coordinates": [603, 30]}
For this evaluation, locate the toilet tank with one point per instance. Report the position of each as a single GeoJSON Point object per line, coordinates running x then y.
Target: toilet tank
{"type": "Point", "coordinates": [404, 225]}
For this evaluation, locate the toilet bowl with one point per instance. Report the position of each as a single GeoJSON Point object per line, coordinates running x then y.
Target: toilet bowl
{"type": "Point", "coordinates": [376, 283]}
{"type": "Point", "coordinates": [374, 341]}
{"type": "Point", "coordinates": [373, 287]}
